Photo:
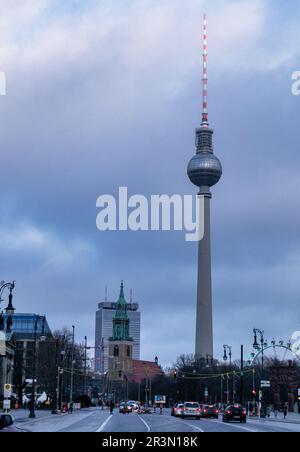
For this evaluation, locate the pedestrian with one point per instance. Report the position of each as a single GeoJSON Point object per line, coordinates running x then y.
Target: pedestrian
{"type": "Point", "coordinates": [161, 409]}
{"type": "Point", "coordinates": [285, 410]}
{"type": "Point", "coordinates": [111, 406]}
{"type": "Point", "coordinates": [154, 408]}
{"type": "Point", "coordinates": [268, 411]}
{"type": "Point", "coordinates": [71, 407]}
{"type": "Point", "coordinates": [31, 404]}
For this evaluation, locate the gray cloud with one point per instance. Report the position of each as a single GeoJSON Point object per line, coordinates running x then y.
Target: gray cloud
{"type": "Point", "coordinates": [102, 99]}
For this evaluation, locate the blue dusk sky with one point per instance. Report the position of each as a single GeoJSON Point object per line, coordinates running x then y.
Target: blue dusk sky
{"type": "Point", "coordinates": [107, 93]}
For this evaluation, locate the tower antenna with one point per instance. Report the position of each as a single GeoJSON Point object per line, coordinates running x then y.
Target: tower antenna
{"type": "Point", "coordinates": [204, 80]}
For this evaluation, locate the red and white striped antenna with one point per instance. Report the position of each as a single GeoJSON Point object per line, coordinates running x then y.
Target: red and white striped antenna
{"type": "Point", "coordinates": [204, 87]}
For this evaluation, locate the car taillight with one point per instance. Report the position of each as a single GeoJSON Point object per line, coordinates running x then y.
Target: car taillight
{"type": "Point", "coordinates": [228, 412]}
{"type": "Point", "coordinates": [198, 409]}
{"type": "Point", "coordinates": [244, 412]}
{"type": "Point", "coordinates": [205, 411]}
{"type": "Point", "coordinates": [217, 411]}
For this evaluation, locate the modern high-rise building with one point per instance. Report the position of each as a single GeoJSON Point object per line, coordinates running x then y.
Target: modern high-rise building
{"type": "Point", "coordinates": [103, 331]}
{"type": "Point", "coordinates": [204, 171]}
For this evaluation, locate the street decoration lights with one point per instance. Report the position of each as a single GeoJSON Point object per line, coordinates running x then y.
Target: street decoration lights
{"type": "Point", "coordinates": [42, 339]}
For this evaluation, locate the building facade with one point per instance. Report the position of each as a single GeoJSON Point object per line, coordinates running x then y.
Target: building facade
{"type": "Point", "coordinates": [104, 326]}
{"type": "Point", "coordinates": [7, 353]}
{"type": "Point", "coordinates": [23, 329]}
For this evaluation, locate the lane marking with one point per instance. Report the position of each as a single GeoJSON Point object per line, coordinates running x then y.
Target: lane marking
{"type": "Point", "coordinates": [194, 426]}
{"type": "Point", "coordinates": [104, 424]}
{"type": "Point", "coordinates": [145, 423]}
{"type": "Point", "coordinates": [236, 426]}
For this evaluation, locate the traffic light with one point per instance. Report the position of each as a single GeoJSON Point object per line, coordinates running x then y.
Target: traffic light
{"type": "Point", "coordinates": [254, 393]}
{"type": "Point", "coordinates": [175, 374]}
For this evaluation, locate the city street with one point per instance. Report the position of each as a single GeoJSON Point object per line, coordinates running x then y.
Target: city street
{"type": "Point", "coordinates": [96, 420]}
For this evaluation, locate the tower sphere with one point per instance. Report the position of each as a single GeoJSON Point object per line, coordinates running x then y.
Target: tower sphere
{"type": "Point", "coordinates": [204, 169]}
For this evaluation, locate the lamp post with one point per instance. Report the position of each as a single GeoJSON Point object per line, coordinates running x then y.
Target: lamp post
{"type": "Point", "coordinates": [10, 286]}
{"type": "Point", "coordinates": [225, 358]}
{"type": "Point", "coordinates": [209, 361]}
{"type": "Point", "coordinates": [9, 309]}
{"type": "Point", "coordinates": [42, 338]}
{"type": "Point", "coordinates": [60, 344]}
{"type": "Point", "coordinates": [72, 364]}
{"type": "Point", "coordinates": [86, 348]}
{"type": "Point", "coordinates": [85, 365]}
{"type": "Point", "coordinates": [256, 332]}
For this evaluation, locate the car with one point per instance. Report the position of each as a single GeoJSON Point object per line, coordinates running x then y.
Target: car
{"type": "Point", "coordinates": [209, 412]}
{"type": "Point", "coordinates": [124, 408]}
{"type": "Point", "coordinates": [133, 405]}
{"type": "Point", "coordinates": [191, 409]}
{"type": "Point", "coordinates": [235, 413]}
{"type": "Point", "coordinates": [6, 421]}
{"type": "Point", "coordinates": [176, 409]}
{"type": "Point", "coordinates": [6, 424]}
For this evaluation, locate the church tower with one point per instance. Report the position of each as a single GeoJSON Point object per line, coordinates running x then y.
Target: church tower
{"type": "Point", "coordinates": [120, 363]}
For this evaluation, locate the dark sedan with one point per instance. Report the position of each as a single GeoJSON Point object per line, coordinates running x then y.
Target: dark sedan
{"type": "Point", "coordinates": [209, 412]}
{"type": "Point", "coordinates": [235, 413]}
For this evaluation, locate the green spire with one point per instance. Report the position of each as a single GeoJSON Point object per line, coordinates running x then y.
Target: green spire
{"type": "Point", "coordinates": [121, 320]}
{"type": "Point", "coordinates": [121, 305]}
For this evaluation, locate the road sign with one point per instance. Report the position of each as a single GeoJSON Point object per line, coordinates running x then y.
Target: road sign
{"type": "Point", "coordinates": [265, 384]}
{"type": "Point", "coordinates": [160, 399]}
{"type": "Point", "coordinates": [206, 392]}
{"type": "Point", "coordinates": [6, 404]}
{"type": "Point", "coordinates": [7, 391]}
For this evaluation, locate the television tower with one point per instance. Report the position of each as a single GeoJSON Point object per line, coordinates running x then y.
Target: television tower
{"type": "Point", "coordinates": [204, 171]}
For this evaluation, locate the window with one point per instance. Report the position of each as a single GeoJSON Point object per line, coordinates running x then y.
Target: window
{"type": "Point", "coordinates": [116, 350]}
{"type": "Point", "coordinates": [128, 351]}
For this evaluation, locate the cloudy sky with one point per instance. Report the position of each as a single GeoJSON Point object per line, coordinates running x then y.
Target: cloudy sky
{"type": "Point", "coordinates": [107, 93]}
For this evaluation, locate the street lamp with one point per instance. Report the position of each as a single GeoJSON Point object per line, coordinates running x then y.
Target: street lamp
{"type": "Point", "coordinates": [72, 365]}
{"type": "Point", "coordinates": [42, 338]}
{"type": "Point", "coordinates": [261, 333]}
{"type": "Point", "coordinates": [209, 358]}
{"type": "Point", "coordinates": [256, 331]}
{"type": "Point", "coordinates": [225, 358]}
{"type": "Point", "coordinates": [10, 286]}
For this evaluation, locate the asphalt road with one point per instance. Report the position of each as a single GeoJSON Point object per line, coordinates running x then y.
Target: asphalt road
{"type": "Point", "coordinates": [97, 420]}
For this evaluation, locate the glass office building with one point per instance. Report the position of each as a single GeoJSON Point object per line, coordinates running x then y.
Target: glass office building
{"type": "Point", "coordinates": [24, 325]}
